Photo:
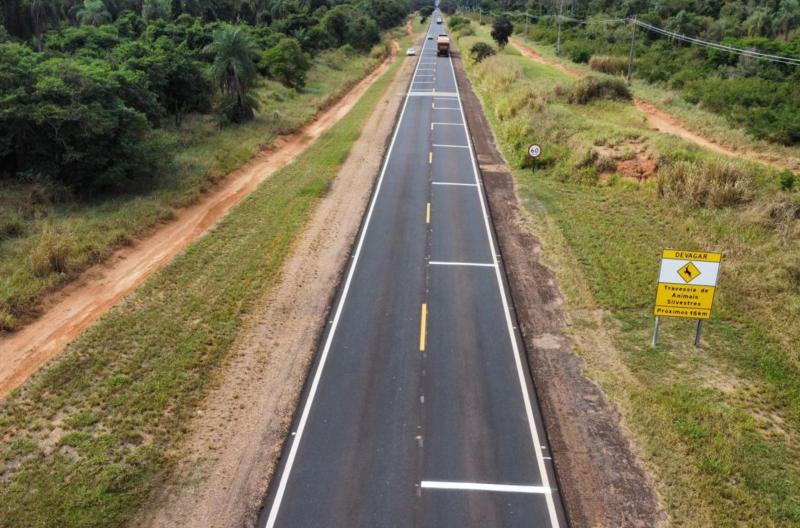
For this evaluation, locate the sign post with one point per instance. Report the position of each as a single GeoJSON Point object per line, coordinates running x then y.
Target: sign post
{"type": "Point", "coordinates": [686, 285]}
{"type": "Point", "coordinates": [534, 151]}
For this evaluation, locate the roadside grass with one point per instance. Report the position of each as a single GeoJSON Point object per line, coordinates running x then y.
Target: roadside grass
{"type": "Point", "coordinates": [87, 438]}
{"type": "Point", "coordinates": [703, 122]}
{"type": "Point", "coordinates": [87, 230]}
{"type": "Point", "coordinates": [718, 427]}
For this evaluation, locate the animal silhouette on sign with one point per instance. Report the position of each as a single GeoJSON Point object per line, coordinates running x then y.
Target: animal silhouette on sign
{"type": "Point", "coordinates": [688, 272]}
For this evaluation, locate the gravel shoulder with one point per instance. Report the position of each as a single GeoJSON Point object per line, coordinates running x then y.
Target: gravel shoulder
{"type": "Point", "coordinates": [236, 438]}
{"type": "Point", "coordinates": [601, 478]}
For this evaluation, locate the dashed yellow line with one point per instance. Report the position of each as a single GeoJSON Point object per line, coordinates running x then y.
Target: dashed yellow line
{"type": "Point", "coordinates": [428, 214]}
{"type": "Point", "coordinates": [430, 157]}
{"type": "Point", "coordinates": [423, 321]}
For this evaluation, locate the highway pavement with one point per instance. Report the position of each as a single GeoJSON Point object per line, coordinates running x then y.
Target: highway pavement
{"type": "Point", "coordinates": [420, 411]}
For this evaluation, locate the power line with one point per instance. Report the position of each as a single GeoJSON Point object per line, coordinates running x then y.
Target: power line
{"type": "Point", "coordinates": [754, 53]}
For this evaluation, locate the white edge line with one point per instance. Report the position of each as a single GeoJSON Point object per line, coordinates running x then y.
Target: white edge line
{"type": "Point", "coordinates": [481, 486]}
{"type": "Point", "coordinates": [453, 263]}
{"type": "Point", "coordinates": [517, 360]}
{"type": "Point", "coordinates": [287, 469]}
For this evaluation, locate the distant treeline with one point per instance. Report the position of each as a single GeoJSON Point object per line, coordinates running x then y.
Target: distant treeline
{"type": "Point", "coordinates": [82, 84]}
{"type": "Point", "coordinates": [762, 96]}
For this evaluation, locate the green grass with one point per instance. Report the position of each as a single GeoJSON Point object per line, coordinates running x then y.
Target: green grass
{"type": "Point", "coordinates": [90, 229]}
{"type": "Point", "coordinates": [708, 124]}
{"type": "Point", "coordinates": [718, 427]}
{"type": "Point", "coordinates": [86, 439]}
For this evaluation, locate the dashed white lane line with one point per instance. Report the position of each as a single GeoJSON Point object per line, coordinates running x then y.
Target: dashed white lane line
{"type": "Point", "coordinates": [454, 184]}
{"type": "Point", "coordinates": [483, 486]}
{"type": "Point", "coordinates": [537, 444]}
{"type": "Point", "coordinates": [451, 146]}
{"type": "Point", "coordinates": [454, 263]}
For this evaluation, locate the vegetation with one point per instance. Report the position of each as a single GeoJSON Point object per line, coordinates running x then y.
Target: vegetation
{"type": "Point", "coordinates": [104, 415]}
{"type": "Point", "coordinates": [110, 126]}
{"type": "Point", "coordinates": [718, 427]}
{"type": "Point", "coordinates": [501, 30]}
{"type": "Point", "coordinates": [480, 51]}
{"type": "Point", "coordinates": [761, 96]}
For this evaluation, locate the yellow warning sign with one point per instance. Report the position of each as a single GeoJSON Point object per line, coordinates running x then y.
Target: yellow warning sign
{"type": "Point", "coordinates": [689, 272]}
{"type": "Point", "coordinates": [687, 283]}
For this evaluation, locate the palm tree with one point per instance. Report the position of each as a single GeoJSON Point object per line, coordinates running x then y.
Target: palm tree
{"type": "Point", "coordinates": [94, 12]}
{"type": "Point", "coordinates": [234, 70]}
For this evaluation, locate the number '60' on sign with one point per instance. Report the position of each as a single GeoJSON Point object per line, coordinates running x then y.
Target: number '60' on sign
{"type": "Point", "coordinates": [534, 151]}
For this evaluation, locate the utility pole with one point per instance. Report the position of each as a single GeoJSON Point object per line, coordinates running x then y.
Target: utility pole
{"type": "Point", "coordinates": [633, 50]}
{"type": "Point", "coordinates": [558, 39]}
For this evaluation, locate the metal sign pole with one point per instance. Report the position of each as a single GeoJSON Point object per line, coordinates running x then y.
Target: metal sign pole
{"type": "Point", "coordinates": [697, 333]}
{"type": "Point", "coordinates": [655, 332]}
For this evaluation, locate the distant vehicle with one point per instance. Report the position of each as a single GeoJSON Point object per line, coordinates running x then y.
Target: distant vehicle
{"type": "Point", "coordinates": [438, 20]}
{"type": "Point", "coordinates": [443, 46]}
{"type": "Point", "coordinates": [430, 37]}
{"type": "Point", "coordinates": [411, 51]}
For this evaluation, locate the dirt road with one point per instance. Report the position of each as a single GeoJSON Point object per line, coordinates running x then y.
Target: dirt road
{"type": "Point", "coordinates": [657, 118]}
{"type": "Point", "coordinates": [78, 305]}
{"type": "Point", "coordinates": [234, 441]}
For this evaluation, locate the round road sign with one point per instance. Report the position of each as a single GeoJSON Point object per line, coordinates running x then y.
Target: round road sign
{"type": "Point", "coordinates": [534, 151]}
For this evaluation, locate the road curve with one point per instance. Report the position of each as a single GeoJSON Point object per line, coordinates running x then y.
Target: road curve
{"type": "Point", "coordinates": [420, 410]}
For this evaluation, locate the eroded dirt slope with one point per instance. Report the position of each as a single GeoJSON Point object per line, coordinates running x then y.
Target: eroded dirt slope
{"type": "Point", "coordinates": [659, 119]}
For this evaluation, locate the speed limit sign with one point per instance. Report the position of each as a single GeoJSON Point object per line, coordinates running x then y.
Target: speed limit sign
{"type": "Point", "coordinates": [534, 151]}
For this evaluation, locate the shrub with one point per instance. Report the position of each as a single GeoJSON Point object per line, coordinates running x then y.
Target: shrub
{"type": "Point", "coordinates": [578, 52]}
{"type": "Point", "coordinates": [286, 62]}
{"type": "Point", "coordinates": [786, 180]}
{"type": "Point", "coordinates": [713, 184]}
{"type": "Point", "coordinates": [456, 22]}
{"type": "Point", "coordinates": [608, 64]}
{"type": "Point", "coordinates": [480, 51]}
{"type": "Point", "coordinates": [501, 30]}
{"type": "Point", "coordinates": [592, 88]}
{"type": "Point", "coordinates": [51, 253]}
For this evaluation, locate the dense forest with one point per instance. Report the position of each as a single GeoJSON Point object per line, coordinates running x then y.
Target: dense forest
{"type": "Point", "coordinates": [83, 84]}
{"type": "Point", "coordinates": [763, 96]}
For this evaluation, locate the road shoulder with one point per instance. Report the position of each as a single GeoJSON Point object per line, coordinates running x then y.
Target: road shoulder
{"type": "Point", "coordinates": [236, 438]}
{"type": "Point", "coordinates": [601, 479]}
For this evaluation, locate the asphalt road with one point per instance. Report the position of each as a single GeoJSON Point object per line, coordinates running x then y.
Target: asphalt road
{"type": "Point", "coordinates": [420, 410]}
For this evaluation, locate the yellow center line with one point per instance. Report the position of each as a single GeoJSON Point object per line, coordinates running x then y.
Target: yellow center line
{"type": "Point", "coordinates": [430, 157]}
{"type": "Point", "coordinates": [422, 324]}
{"type": "Point", "coordinates": [431, 126]}
{"type": "Point", "coordinates": [428, 214]}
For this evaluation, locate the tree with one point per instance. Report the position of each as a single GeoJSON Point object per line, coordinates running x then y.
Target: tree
{"type": "Point", "coordinates": [480, 51]}
{"type": "Point", "coordinates": [501, 30]}
{"type": "Point", "coordinates": [234, 71]}
{"type": "Point", "coordinates": [154, 9]}
{"type": "Point", "coordinates": [787, 17]}
{"type": "Point", "coordinates": [286, 62]}
{"type": "Point", "coordinates": [94, 13]}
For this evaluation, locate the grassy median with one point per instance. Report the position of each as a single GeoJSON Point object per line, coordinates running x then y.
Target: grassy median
{"type": "Point", "coordinates": [718, 427]}
{"type": "Point", "coordinates": [85, 440]}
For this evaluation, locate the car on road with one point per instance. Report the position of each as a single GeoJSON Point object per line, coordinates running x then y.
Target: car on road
{"type": "Point", "coordinates": [430, 37]}
{"type": "Point", "coordinates": [411, 52]}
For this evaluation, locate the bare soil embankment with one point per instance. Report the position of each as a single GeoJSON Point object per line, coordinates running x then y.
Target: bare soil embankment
{"type": "Point", "coordinates": [658, 119]}
{"type": "Point", "coordinates": [601, 478]}
{"type": "Point", "coordinates": [73, 309]}
{"type": "Point", "coordinates": [236, 439]}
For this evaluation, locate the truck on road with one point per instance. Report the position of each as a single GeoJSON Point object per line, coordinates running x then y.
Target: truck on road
{"type": "Point", "coordinates": [438, 20]}
{"type": "Point", "coordinates": [443, 46]}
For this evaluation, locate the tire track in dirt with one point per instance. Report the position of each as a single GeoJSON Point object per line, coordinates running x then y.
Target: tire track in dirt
{"type": "Point", "coordinates": [79, 304]}
{"type": "Point", "coordinates": [658, 119]}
